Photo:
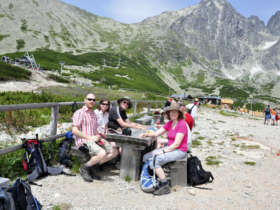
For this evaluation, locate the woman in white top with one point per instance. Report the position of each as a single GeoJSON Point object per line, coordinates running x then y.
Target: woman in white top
{"type": "Point", "coordinates": [102, 114]}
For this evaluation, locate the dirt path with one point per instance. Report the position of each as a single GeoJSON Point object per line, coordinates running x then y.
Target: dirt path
{"type": "Point", "coordinates": [37, 81]}
{"type": "Point", "coordinates": [230, 140]}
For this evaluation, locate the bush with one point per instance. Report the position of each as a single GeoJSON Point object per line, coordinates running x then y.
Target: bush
{"type": "Point", "coordinates": [9, 72]}
{"type": "Point", "coordinates": [20, 44]}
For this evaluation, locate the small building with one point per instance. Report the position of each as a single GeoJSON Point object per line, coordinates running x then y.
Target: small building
{"type": "Point", "coordinates": [215, 100]}
{"type": "Point", "coordinates": [226, 103]}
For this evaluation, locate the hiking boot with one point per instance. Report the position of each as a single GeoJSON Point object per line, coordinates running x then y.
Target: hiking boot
{"type": "Point", "coordinates": [84, 171]}
{"type": "Point", "coordinates": [163, 189]}
{"type": "Point", "coordinates": [93, 174]}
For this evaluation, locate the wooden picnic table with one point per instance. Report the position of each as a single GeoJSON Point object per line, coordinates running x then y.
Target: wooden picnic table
{"type": "Point", "coordinates": [131, 152]}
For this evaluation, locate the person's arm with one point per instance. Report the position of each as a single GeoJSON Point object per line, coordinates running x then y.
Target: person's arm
{"type": "Point", "coordinates": [128, 124]}
{"type": "Point", "coordinates": [159, 132]}
{"type": "Point", "coordinates": [77, 132]}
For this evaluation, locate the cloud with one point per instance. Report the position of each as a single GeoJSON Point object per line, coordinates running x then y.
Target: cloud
{"type": "Point", "coordinates": [131, 11]}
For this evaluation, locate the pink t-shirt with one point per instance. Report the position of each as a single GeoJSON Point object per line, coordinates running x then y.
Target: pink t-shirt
{"type": "Point", "coordinates": [181, 127]}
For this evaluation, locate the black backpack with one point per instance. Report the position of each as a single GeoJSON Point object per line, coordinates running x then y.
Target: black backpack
{"type": "Point", "coordinates": [196, 175]}
{"type": "Point", "coordinates": [64, 153]}
{"type": "Point", "coordinates": [18, 197]}
{"type": "Point", "coordinates": [6, 200]}
{"type": "Point", "coordinates": [34, 163]}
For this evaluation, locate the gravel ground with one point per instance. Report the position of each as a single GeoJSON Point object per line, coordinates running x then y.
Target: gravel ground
{"type": "Point", "coordinates": [230, 140]}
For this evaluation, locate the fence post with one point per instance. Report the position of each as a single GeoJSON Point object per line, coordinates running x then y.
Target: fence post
{"type": "Point", "coordinates": [134, 108]}
{"type": "Point", "coordinates": [54, 120]}
{"type": "Point", "coordinates": [149, 108]}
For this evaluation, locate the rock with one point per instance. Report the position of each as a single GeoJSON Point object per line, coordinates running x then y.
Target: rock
{"type": "Point", "coordinates": [192, 192]}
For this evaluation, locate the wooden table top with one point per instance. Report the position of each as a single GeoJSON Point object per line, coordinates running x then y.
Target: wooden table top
{"type": "Point", "coordinates": [135, 139]}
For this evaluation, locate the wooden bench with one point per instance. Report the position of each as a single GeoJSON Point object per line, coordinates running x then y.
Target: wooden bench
{"type": "Point", "coordinates": [177, 172]}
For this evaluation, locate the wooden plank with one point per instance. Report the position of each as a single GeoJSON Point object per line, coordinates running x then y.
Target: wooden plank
{"type": "Point", "coordinates": [54, 120]}
{"type": "Point", "coordinates": [134, 108]}
{"type": "Point", "coordinates": [13, 107]}
{"type": "Point", "coordinates": [18, 147]}
{"type": "Point", "coordinates": [149, 108]}
{"type": "Point", "coordinates": [129, 139]}
{"type": "Point", "coordinates": [130, 162]}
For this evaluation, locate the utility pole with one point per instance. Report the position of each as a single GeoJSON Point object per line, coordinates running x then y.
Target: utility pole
{"type": "Point", "coordinates": [61, 67]}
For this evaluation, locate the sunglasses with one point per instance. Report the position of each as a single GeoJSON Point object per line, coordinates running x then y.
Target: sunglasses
{"type": "Point", "coordinates": [126, 102]}
{"type": "Point", "coordinates": [91, 99]}
{"type": "Point", "coordinates": [104, 104]}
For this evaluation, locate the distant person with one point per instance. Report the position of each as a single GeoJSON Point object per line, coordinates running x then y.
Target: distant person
{"type": "Point", "coordinates": [273, 116]}
{"type": "Point", "coordinates": [84, 127]}
{"type": "Point", "coordinates": [192, 109]}
{"type": "Point", "coordinates": [267, 115]}
{"type": "Point", "coordinates": [118, 119]}
{"type": "Point", "coordinates": [189, 121]}
{"type": "Point", "coordinates": [277, 117]}
{"type": "Point", "coordinates": [168, 102]}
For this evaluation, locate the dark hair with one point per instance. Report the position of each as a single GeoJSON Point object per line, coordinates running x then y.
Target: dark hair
{"type": "Point", "coordinates": [180, 117]}
{"type": "Point", "coordinates": [125, 99]}
{"type": "Point", "coordinates": [101, 101]}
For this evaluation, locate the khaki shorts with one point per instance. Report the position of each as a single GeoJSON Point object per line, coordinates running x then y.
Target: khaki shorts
{"type": "Point", "coordinates": [94, 148]}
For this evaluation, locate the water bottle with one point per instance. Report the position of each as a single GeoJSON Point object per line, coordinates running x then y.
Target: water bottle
{"type": "Point", "coordinates": [152, 127]}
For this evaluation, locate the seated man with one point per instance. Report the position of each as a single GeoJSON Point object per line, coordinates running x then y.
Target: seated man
{"type": "Point", "coordinates": [118, 119]}
{"type": "Point", "coordinates": [84, 127]}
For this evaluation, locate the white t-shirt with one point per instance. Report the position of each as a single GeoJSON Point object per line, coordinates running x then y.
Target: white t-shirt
{"type": "Point", "coordinates": [102, 120]}
{"type": "Point", "coordinates": [194, 110]}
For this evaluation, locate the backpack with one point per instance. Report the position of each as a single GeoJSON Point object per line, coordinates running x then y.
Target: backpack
{"type": "Point", "coordinates": [64, 153]}
{"type": "Point", "coordinates": [21, 197]}
{"type": "Point", "coordinates": [148, 180]}
{"type": "Point", "coordinates": [34, 163]}
{"type": "Point", "coordinates": [190, 110]}
{"type": "Point", "coordinates": [196, 175]}
{"type": "Point", "coordinates": [6, 200]}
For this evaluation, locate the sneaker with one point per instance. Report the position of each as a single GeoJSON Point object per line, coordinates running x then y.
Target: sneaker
{"type": "Point", "coordinates": [93, 174]}
{"type": "Point", "coordinates": [164, 189]}
{"type": "Point", "coordinates": [85, 174]}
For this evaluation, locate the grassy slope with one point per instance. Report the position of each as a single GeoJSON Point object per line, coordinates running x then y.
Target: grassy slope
{"type": "Point", "coordinates": [143, 76]}
{"type": "Point", "coordinates": [9, 72]}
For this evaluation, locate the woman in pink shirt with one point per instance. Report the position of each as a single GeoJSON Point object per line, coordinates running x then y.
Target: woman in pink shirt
{"type": "Point", "coordinates": [176, 148]}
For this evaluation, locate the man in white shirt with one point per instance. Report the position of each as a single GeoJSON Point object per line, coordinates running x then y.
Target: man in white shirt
{"type": "Point", "coordinates": [193, 110]}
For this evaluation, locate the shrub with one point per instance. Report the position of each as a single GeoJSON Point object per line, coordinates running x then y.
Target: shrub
{"type": "Point", "coordinates": [20, 44]}
{"type": "Point", "coordinates": [9, 72]}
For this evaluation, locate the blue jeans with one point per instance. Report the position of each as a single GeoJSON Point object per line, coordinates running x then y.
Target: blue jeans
{"type": "Point", "coordinates": [164, 158]}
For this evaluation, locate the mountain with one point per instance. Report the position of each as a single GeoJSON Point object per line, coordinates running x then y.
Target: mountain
{"type": "Point", "coordinates": [273, 25]}
{"type": "Point", "coordinates": [208, 48]}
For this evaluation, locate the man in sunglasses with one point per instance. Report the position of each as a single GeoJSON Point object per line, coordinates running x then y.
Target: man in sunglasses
{"type": "Point", "coordinates": [84, 127]}
{"type": "Point", "coordinates": [118, 119]}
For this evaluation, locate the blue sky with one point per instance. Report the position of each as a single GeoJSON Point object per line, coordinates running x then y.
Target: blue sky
{"type": "Point", "coordinates": [131, 11]}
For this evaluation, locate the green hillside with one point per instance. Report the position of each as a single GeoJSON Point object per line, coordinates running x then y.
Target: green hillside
{"type": "Point", "coordinates": [134, 73]}
{"type": "Point", "coordinates": [10, 72]}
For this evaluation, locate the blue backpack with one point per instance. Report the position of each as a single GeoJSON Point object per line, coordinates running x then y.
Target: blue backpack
{"type": "Point", "coordinates": [148, 182]}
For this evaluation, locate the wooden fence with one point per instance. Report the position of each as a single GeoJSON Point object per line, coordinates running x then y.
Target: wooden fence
{"type": "Point", "coordinates": [54, 116]}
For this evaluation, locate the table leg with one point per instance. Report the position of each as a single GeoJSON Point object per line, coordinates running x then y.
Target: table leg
{"type": "Point", "coordinates": [130, 161]}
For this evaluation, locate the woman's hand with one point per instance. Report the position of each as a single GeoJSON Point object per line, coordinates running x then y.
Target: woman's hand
{"type": "Point", "coordinates": [143, 135]}
{"type": "Point", "coordinates": [143, 127]}
{"type": "Point", "coordinates": [158, 153]}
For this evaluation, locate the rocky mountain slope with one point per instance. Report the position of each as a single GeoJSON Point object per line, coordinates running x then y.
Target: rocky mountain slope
{"type": "Point", "coordinates": [193, 48]}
